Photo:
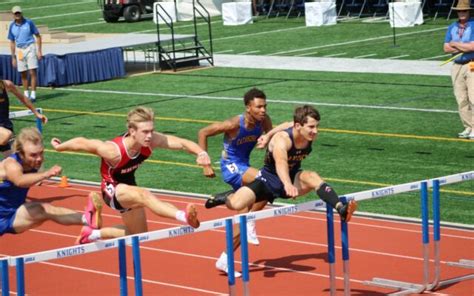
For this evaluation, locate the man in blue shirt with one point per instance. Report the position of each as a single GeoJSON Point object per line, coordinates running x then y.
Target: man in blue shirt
{"type": "Point", "coordinates": [460, 39]}
{"type": "Point", "coordinates": [22, 34]}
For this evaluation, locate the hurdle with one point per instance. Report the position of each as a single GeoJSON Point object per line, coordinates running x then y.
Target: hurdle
{"type": "Point", "coordinates": [23, 113]}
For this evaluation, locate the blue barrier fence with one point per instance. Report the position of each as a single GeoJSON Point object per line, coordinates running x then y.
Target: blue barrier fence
{"type": "Point", "coordinates": [135, 240]}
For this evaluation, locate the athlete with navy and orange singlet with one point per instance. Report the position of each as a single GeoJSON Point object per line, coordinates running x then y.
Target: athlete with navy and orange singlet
{"type": "Point", "coordinates": [121, 157]}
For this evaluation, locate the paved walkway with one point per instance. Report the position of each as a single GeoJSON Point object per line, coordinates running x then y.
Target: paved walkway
{"type": "Point", "coordinates": [333, 64]}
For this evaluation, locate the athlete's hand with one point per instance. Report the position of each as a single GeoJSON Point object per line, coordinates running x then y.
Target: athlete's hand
{"type": "Point", "coordinates": [208, 171]}
{"type": "Point", "coordinates": [262, 141]}
{"type": "Point", "coordinates": [203, 159]}
{"type": "Point", "coordinates": [43, 118]}
{"type": "Point", "coordinates": [55, 142]}
{"type": "Point", "coordinates": [54, 171]}
{"type": "Point", "coordinates": [291, 191]}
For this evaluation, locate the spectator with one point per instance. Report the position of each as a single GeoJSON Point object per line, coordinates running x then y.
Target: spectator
{"type": "Point", "coordinates": [22, 34]}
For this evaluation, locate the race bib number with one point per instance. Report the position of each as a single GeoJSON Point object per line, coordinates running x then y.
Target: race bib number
{"type": "Point", "coordinates": [233, 168]}
{"type": "Point", "coordinates": [110, 189]}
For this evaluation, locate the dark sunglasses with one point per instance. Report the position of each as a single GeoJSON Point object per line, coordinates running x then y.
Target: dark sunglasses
{"type": "Point", "coordinates": [17, 13]}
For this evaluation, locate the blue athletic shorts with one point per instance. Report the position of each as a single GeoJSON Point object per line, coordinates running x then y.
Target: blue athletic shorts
{"type": "Point", "coordinates": [232, 172]}
{"type": "Point", "coordinates": [6, 223]}
{"type": "Point", "coordinates": [267, 186]}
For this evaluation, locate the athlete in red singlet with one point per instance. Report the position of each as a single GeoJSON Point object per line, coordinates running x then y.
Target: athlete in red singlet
{"type": "Point", "coordinates": [120, 159]}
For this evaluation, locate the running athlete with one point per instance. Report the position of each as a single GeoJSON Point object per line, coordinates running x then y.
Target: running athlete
{"type": "Point", "coordinates": [121, 157]}
{"type": "Point", "coordinates": [282, 175]}
{"type": "Point", "coordinates": [18, 173]}
{"type": "Point", "coordinates": [6, 126]}
{"type": "Point", "coordinates": [241, 134]}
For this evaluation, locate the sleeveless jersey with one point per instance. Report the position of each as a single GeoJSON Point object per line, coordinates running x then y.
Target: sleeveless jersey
{"type": "Point", "coordinates": [238, 149]}
{"type": "Point", "coordinates": [4, 106]}
{"type": "Point", "coordinates": [295, 156]}
{"type": "Point", "coordinates": [124, 171]}
{"type": "Point", "coordinates": [12, 196]}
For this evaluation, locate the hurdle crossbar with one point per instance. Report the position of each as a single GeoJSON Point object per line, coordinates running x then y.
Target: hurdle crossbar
{"type": "Point", "coordinates": [23, 113]}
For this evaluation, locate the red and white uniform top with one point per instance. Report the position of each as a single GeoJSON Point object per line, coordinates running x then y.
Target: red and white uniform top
{"type": "Point", "coordinates": [124, 171]}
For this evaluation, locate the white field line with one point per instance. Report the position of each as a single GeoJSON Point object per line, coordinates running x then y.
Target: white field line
{"type": "Point", "coordinates": [78, 25]}
{"type": "Point", "coordinates": [397, 57]}
{"type": "Point", "coordinates": [438, 56]}
{"type": "Point", "coordinates": [256, 34]}
{"type": "Point", "coordinates": [357, 41]}
{"type": "Point", "coordinates": [335, 54]}
{"type": "Point", "coordinates": [249, 52]}
{"type": "Point", "coordinates": [65, 14]}
{"type": "Point", "coordinates": [224, 51]}
{"type": "Point", "coordinates": [271, 101]}
{"type": "Point", "coordinates": [305, 54]}
{"type": "Point", "coordinates": [57, 5]}
{"type": "Point", "coordinates": [365, 56]}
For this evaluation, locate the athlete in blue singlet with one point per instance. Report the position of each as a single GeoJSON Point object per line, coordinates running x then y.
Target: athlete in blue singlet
{"type": "Point", "coordinates": [282, 176]}
{"type": "Point", "coordinates": [6, 126]}
{"type": "Point", "coordinates": [18, 173]}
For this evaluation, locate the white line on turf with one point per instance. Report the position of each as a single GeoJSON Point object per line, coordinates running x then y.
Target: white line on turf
{"type": "Point", "coordinates": [381, 107]}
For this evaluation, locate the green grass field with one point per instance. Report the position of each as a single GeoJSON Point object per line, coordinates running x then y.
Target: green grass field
{"type": "Point", "coordinates": [363, 144]}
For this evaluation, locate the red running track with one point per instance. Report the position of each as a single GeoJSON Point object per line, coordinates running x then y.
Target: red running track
{"type": "Point", "coordinates": [291, 258]}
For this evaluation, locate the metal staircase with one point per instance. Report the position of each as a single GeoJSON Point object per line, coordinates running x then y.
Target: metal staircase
{"type": "Point", "coordinates": [184, 50]}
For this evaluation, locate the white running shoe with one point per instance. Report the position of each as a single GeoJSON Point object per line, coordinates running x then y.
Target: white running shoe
{"type": "Point", "coordinates": [471, 136]}
{"type": "Point", "coordinates": [466, 133]}
{"type": "Point", "coordinates": [252, 233]}
{"type": "Point", "coordinates": [221, 264]}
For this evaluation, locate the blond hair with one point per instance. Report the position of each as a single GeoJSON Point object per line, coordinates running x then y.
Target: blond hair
{"type": "Point", "coordinates": [139, 114]}
{"type": "Point", "coordinates": [28, 134]}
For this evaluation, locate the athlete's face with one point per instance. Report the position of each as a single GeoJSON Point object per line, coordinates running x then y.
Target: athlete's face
{"type": "Point", "coordinates": [143, 134]}
{"type": "Point", "coordinates": [257, 108]}
{"type": "Point", "coordinates": [33, 155]}
{"type": "Point", "coordinates": [310, 129]}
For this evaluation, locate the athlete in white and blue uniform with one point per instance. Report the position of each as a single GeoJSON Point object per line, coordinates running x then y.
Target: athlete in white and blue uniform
{"type": "Point", "coordinates": [18, 173]}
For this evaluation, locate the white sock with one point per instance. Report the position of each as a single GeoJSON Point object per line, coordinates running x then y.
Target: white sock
{"type": "Point", "coordinates": [223, 256]}
{"type": "Point", "coordinates": [95, 235]}
{"type": "Point", "coordinates": [26, 93]}
{"type": "Point", "coordinates": [181, 216]}
{"type": "Point", "coordinates": [33, 94]}
{"type": "Point", "coordinates": [84, 221]}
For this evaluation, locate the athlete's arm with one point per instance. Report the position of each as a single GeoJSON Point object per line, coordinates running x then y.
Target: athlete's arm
{"type": "Point", "coordinates": [264, 139]}
{"type": "Point", "coordinates": [106, 150]}
{"type": "Point", "coordinates": [227, 126]}
{"type": "Point", "coordinates": [24, 100]}
{"type": "Point", "coordinates": [160, 140]}
{"type": "Point", "coordinates": [14, 173]}
{"type": "Point", "coordinates": [280, 145]}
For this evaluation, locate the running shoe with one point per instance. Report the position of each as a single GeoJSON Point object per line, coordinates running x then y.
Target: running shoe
{"type": "Point", "coordinates": [93, 212]}
{"type": "Point", "coordinates": [347, 210]}
{"type": "Point", "coordinates": [191, 216]}
{"type": "Point", "coordinates": [252, 233]}
{"type": "Point", "coordinates": [218, 199]}
{"type": "Point", "coordinates": [221, 264]}
{"type": "Point", "coordinates": [83, 237]}
{"type": "Point", "coordinates": [465, 133]}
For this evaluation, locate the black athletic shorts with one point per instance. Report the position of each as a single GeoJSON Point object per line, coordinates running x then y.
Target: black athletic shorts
{"type": "Point", "coordinates": [267, 186]}
{"type": "Point", "coordinates": [9, 126]}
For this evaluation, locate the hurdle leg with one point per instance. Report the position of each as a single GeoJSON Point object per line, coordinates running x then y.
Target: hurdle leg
{"type": "Point", "coordinates": [137, 266]}
{"type": "Point", "coordinates": [331, 249]}
{"type": "Point", "coordinates": [244, 253]}
{"type": "Point", "coordinates": [122, 267]}
{"type": "Point", "coordinates": [20, 276]}
{"type": "Point", "coordinates": [229, 235]}
{"type": "Point", "coordinates": [345, 257]}
{"type": "Point", "coordinates": [5, 278]}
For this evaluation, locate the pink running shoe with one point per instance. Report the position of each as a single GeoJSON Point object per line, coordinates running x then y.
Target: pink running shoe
{"type": "Point", "coordinates": [83, 237]}
{"type": "Point", "coordinates": [191, 216]}
{"type": "Point", "coordinates": [93, 211]}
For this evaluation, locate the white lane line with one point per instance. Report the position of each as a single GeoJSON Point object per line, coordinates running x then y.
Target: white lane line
{"type": "Point", "coordinates": [78, 25]}
{"type": "Point", "coordinates": [357, 41]}
{"type": "Point", "coordinates": [435, 57]}
{"type": "Point", "coordinates": [335, 54]}
{"type": "Point", "coordinates": [365, 56]}
{"type": "Point", "coordinates": [57, 5]}
{"type": "Point", "coordinates": [397, 57]}
{"type": "Point", "coordinates": [381, 107]}
{"type": "Point", "coordinates": [249, 52]}
{"type": "Point", "coordinates": [65, 14]}
{"type": "Point", "coordinates": [305, 54]}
